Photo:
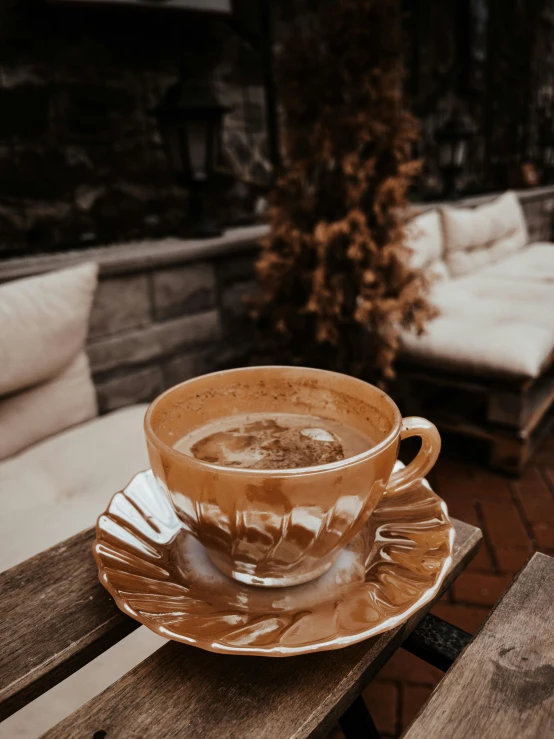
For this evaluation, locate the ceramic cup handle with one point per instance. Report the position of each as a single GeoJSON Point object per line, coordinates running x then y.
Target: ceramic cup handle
{"type": "Point", "coordinates": [425, 458]}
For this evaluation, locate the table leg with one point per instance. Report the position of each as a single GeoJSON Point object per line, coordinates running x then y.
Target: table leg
{"type": "Point", "coordinates": [356, 722]}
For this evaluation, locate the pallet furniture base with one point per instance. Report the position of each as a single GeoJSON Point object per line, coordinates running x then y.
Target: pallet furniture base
{"type": "Point", "coordinates": [511, 415]}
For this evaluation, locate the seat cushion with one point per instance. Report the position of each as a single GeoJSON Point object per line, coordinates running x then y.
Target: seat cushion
{"type": "Point", "coordinates": [31, 415]}
{"type": "Point", "coordinates": [488, 325]}
{"type": "Point", "coordinates": [60, 486]}
{"type": "Point", "coordinates": [535, 263]}
{"type": "Point", "coordinates": [424, 237]}
{"type": "Point", "coordinates": [43, 325]}
{"type": "Point", "coordinates": [476, 237]}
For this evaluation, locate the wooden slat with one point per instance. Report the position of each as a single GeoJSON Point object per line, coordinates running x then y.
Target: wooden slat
{"type": "Point", "coordinates": [538, 405]}
{"type": "Point", "coordinates": [55, 616]}
{"type": "Point", "coordinates": [503, 683]}
{"type": "Point", "coordinates": [429, 373]}
{"type": "Point", "coordinates": [181, 691]}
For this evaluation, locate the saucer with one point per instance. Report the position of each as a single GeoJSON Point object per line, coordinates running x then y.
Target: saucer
{"type": "Point", "coordinates": [160, 575]}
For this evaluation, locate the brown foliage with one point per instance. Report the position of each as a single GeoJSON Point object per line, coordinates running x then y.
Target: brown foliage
{"type": "Point", "coordinates": [335, 285]}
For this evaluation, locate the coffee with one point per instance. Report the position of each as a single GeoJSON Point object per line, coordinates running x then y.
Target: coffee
{"type": "Point", "coordinates": [273, 441]}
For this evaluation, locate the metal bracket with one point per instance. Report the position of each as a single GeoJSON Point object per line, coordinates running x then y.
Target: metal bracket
{"type": "Point", "coordinates": [436, 641]}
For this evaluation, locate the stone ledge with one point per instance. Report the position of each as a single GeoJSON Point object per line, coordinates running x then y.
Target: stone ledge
{"type": "Point", "coordinates": [137, 256]}
{"type": "Point", "coordinates": [525, 196]}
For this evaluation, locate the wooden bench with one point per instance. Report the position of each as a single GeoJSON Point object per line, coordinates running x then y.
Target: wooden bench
{"type": "Point", "coordinates": [502, 685]}
{"type": "Point", "coordinates": [56, 617]}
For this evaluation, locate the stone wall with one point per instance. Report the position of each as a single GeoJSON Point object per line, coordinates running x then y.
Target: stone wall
{"type": "Point", "coordinates": [539, 214]}
{"type": "Point", "coordinates": [171, 309]}
{"type": "Point", "coordinates": [81, 158]}
{"type": "Point", "coordinates": [150, 330]}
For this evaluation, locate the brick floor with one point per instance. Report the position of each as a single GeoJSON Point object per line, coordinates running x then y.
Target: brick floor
{"type": "Point", "coordinates": [517, 518]}
{"type": "Point", "coordinates": [383, 700]}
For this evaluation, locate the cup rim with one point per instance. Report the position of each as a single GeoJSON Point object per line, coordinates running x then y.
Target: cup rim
{"type": "Point", "coordinates": [314, 469]}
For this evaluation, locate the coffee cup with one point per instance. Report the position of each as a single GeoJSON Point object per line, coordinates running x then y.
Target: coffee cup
{"type": "Point", "coordinates": [281, 527]}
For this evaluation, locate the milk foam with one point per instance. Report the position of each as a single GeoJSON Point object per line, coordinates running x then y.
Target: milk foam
{"type": "Point", "coordinates": [273, 441]}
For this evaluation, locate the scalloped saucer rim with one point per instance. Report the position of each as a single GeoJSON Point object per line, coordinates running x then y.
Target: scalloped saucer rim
{"type": "Point", "coordinates": [162, 577]}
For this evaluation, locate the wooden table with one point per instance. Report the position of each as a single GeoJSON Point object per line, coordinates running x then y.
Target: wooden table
{"type": "Point", "coordinates": [56, 617]}
{"type": "Point", "coordinates": [502, 685]}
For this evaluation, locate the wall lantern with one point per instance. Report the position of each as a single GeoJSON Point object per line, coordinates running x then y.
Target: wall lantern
{"type": "Point", "coordinates": [190, 120]}
{"type": "Point", "coordinates": [453, 139]}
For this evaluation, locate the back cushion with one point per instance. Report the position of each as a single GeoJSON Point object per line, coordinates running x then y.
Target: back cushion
{"type": "Point", "coordinates": [424, 237]}
{"type": "Point", "coordinates": [475, 237]}
{"type": "Point", "coordinates": [43, 325]}
{"type": "Point", "coordinates": [45, 383]}
{"type": "Point", "coordinates": [46, 409]}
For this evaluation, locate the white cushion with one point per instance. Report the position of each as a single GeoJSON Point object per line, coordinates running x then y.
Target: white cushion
{"type": "Point", "coordinates": [46, 409]}
{"type": "Point", "coordinates": [60, 486]}
{"type": "Point", "coordinates": [476, 237]}
{"type": "Point", "coordinates": [488, 325]}
{"type": "Point", "coordinates": [535, 263]}
{"type": "Point", "coordinates": [424, 237]}
{"type": "Point", "coordinates": [43, 324]}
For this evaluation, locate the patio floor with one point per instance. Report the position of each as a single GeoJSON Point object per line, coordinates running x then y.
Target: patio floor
{"type": "Point", "coordinates": [517, 518]}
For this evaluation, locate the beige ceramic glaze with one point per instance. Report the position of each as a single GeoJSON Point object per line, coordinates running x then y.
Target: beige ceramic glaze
{"type": "Point", "coordinates": [281, 527]}
{"type": "Point", "coordinates": [160, 575]}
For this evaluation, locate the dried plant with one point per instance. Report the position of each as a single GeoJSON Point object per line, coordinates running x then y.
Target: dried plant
{"type": "Point", "coordinates": [334, 278]}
